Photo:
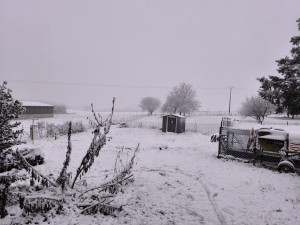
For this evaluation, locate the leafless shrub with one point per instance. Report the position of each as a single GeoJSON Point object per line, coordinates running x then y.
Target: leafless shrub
{"type": "Point", "coordinates": [51, 130]}
{"type": "Point", "coordinates": [60, 192]}
{"type": "Point", "coordinates": [63, 176]}
{"type": "Point", "coordinates": [257, 108]}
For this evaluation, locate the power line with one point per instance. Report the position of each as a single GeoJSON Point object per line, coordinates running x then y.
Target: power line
{"type": "Point", "coordinates": [82, 84]}
{"type": "Point", "coordinates": [109, 85]}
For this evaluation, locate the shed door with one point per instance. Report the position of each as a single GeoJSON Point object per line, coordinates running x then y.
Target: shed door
{"type": "Point", "coordinates": [171, 124]}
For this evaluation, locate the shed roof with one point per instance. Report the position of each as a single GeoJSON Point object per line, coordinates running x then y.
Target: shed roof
{"type": "Point", "coordinates": [32, 103]}
{"type": "Point", "coordinates": [177, 115]}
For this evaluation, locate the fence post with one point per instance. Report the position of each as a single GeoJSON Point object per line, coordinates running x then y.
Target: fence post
{"type": "Point", "coordinates": [220, 140]}
{"type": "Point", "coordinates": [32, 131]}
{"type": "Point", "coordinates": [254, 156]}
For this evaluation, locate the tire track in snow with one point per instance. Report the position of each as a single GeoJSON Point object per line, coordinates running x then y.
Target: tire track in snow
{"type": "Point", "coordinates": [204, 186]}
{"type": "Point", "coordinates": [214, 204]}
{"type": "Point", "coordinates": [211, 200]}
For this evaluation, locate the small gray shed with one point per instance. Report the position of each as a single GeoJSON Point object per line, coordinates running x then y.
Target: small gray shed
{"type": "Point", "coordinates": [173, 123]}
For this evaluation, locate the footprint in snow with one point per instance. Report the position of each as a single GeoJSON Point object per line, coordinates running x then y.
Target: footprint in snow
{"type": "Point", "coordinates": [162, 174]}
{"type": "Point", "coordinates": [191, 197]}
{"type": "Point", "coordinates": [200, 217]}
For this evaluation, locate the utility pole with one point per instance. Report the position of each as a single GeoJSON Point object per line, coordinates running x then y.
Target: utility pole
{"type": "Point", "coordinates": [229, 100]}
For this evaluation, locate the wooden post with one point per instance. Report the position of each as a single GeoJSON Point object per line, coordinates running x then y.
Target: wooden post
{"type": "Point", "coordinates": [254, 155]}
{"type": "Point", "coordinates": [32, 130]}
{"type": "Point", "coordinates": [255, 149]}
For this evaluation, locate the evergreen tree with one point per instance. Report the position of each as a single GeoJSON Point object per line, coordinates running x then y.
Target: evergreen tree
{"type": "Point", "coordinates": [284, 91]}
{"type": "Point", "coordinates": [270, 90]}
{"type": "Point", "coordinates": [10, 109]}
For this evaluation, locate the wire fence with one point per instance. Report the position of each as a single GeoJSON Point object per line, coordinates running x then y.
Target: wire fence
{"type": "Point", "coordinates": [58, 126]}
{"type": "Point", "coordinates": [236, 143]}
{"type": "Point", "coordinates": [48, 127]}
{"type": "Point", "coordinates": [129, 119]}
{"type": "Point", "coordinates": [199, 125]}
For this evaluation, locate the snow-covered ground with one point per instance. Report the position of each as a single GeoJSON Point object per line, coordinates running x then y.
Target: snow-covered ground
{"type": "Point", "coordinates": [178, 180]}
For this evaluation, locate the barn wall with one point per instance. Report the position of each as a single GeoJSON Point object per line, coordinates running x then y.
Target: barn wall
{"type": "Point", "coordinates": [26, 116]}
{"type": "Point", "coordinates": [38, 110]}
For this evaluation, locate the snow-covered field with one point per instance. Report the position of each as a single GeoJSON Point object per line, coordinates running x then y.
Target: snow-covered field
{"type": "Point", "coordinates": [178, 179]}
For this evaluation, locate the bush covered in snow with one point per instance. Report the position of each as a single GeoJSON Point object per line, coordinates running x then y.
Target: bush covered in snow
{"type": "Point", "coordinates": [33, 156]}
{"type": "Point", "coordinates": [9, 109]}
{"type": "Point", "coordinates": [38, 193]}
{"type": "Point", "coordinates": [45, 129]}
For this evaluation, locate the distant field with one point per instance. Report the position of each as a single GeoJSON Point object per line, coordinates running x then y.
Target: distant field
{"type": "Point", "coordinates": [206, 125]}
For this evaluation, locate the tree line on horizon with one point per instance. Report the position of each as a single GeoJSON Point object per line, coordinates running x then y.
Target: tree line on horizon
{"type": "Point", "coordinates": [182, 99]}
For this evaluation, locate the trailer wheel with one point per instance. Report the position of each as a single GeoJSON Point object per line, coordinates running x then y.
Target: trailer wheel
{"type": "Point", "coordinates": [290, 160]}
{"type": "Point", "coordinates": [286, 167]}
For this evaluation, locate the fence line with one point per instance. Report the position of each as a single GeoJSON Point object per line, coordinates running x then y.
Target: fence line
{"type": "Point", "coordinates": [235, 143]}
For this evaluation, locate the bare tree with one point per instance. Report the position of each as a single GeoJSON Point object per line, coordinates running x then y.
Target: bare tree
{"type": "Point", "coordinates": [78, 199]}
{"type": "Point", "coordinates": [150, 104]}
{"type": "Point", "coordinates": [60, 109]}
{"type": "Point", "coordinates": [257, 108]}
{"type": "Point", "coordinates": [182, 99]}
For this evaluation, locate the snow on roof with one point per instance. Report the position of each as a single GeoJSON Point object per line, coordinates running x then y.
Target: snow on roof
{"type": "Point", "coordinates": [177, 115]}
{"type": "Point", "coordinates": [272, 134]}
{"type": "Point", "coordinates": [32, 103]}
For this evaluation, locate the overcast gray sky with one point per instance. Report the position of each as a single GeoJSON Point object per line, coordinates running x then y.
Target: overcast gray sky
{"type": "Point", "coordinates": [78, 52]}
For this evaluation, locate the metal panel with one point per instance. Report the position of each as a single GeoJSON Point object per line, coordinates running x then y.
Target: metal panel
{"type": "Point", "coordinates": [38, 110]}
{"type": "Point", "coordinates": [173, 123]}
{"type": "Point", "coordinates": [164, 124]}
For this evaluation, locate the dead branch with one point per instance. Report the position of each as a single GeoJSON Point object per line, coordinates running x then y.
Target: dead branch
{"type": "Point", "coordinates": [106, 209]}
{"type": "Point", "coordinates": [34, 173]}
{"type": "Point", "coordinates": [99, 123]}
{"type": "Point", "coordinates": [105, 185]}
{"type": "Point", "coordinates": [63, 174]}
{"type": "Point", "coordinates": [119, 178]}
{"type": "Point", "coordinates": [97, 144]}
{"type": "Point", "coordinates": [118, 158]}
{"type": "Point", "coordinates": [104, 197]}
